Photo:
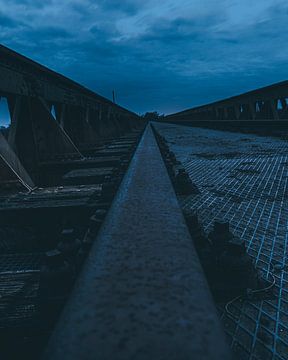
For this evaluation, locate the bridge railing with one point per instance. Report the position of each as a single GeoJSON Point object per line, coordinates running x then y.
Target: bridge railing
{"type": "Point", "coordinates": [267, 103]}
{"type": "Point", "coordinates": [52, 115]}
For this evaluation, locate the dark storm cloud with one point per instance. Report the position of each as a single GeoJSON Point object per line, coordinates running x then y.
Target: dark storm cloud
{"type": "Point", "coordinates": [8, 22]}
{"type": "Point", "coordinates": [46, 34]}
{"type": "Point", "coordinates": [128, 7]}
{"type": "Point", "coordinates": [180, 29]}
{"type": "Point", "coordinates": [157, 56]}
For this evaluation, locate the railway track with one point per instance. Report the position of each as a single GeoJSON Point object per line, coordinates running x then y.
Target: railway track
{"type": "Point", "coordinates": [46, 234]}
{"type": "Point", "coordinates": [97, 257]}
{"type": "Point", "coordinates": [94, 239]}
{"type": "Point", "coordinates": [142, 293]}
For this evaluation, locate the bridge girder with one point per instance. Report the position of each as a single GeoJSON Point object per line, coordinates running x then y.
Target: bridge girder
{"type": "Point", "coordinates": [80, 115]}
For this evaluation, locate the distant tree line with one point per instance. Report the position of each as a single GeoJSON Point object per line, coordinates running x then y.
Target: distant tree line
{"type": "Point", "coordinates": [153, 116]}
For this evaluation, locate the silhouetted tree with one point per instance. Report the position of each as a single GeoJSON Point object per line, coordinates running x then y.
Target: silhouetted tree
{"type": "Point", "coordinates": [153, 116]}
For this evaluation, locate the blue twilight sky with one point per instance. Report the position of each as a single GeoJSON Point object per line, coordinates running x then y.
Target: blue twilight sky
{"type": "Point", "coordinates": [157, 55]}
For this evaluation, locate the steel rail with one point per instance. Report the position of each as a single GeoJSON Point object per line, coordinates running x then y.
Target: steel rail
{"type": "Point", "coordinates": [142, 293]}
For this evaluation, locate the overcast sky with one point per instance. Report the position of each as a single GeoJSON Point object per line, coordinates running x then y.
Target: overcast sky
{"type": "Point", "coordinates": [158, 55]}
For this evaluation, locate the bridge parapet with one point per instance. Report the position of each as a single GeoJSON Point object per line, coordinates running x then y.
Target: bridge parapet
{"type": "Point", "coordinates": [267, 103]}
{"type": "Point", "coordinates": [52, 115]}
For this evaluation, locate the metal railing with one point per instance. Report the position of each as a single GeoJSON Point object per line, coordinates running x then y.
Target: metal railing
{"type": "Point", "coordinates": [267, 103]}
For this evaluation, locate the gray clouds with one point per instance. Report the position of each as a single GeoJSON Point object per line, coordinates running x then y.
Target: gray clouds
{"type": "Point", "coordinates": [157, 55]}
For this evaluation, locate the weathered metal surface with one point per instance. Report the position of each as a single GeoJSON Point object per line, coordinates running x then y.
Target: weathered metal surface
{"type": "Point", "coordinates": [87, 176]}
{"type": "Point", "coordinates": [54, 197]}
{"type": "Point", "coordinates": [45, 234]}
{"type": "Point", "coordinates": [270, 102]}
{"type": "Point", "coordinates": [52, 115]}
{"type": "Point", "coordinates": [23, 76]}
{"type": "Point", "coordinates": [142, 293]}
{"type": "Point", "coordinates": [11, 168]}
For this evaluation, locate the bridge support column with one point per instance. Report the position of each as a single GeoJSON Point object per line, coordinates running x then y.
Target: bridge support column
{"type": "Point", "coordinates": [283, 103]}
{"type": "Point", "coordinates": [12, 173]}
{"type": "Point", "coordinates": [237, 111]}
{"type": "Point", "coordinates": [34, 133]}
{"type": "Point", "coordinates": [284, 112]}
{"type": "Point", "coordinates": [89, 133]}
{"type": "Point", "coordinates": [50, 138]}
{"type": "Point", "coordinates": [76, 122]}
{"type": "Point", "coordinates": [14, 104]}
{"type": "Point", "coordinates": [273, 106]}
{"type": "Point", "coordinates": [252, 110]}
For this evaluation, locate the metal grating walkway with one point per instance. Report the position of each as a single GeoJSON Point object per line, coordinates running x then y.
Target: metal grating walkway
{"type": "Point", "coordinates": [249, 189]}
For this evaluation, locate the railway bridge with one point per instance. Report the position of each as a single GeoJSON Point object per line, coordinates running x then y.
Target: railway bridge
{"type": "Point", "coordinates": [107, 250]}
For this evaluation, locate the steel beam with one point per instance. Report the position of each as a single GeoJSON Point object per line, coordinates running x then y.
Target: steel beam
{"type": "Point", "coordinates": [23, 77]}
{"type": "Point", "coordinates": [11, 169]}
{"type": "Point", "coordinates": [82, 116]}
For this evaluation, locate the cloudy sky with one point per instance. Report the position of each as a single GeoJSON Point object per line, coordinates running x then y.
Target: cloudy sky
{"type": "Point", "coordinates": [157, 55]}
